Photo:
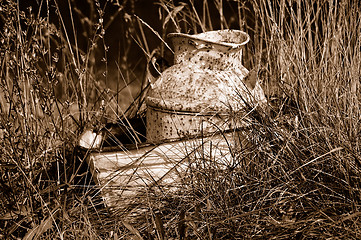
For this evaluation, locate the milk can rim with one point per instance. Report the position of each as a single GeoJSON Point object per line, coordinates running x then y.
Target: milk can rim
{"type": "Point", "coordinates": [195, 37]}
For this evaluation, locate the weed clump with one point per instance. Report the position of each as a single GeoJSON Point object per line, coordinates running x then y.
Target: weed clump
{"type": "Point", "coordinates": [295, 168]}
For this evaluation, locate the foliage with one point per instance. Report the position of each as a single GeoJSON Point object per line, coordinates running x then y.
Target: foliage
{"type": "Point", "coordinates": [297, 177]}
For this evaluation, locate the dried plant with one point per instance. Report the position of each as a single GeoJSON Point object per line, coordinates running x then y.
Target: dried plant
{"type": "Point", "coordinates": [294, 172]}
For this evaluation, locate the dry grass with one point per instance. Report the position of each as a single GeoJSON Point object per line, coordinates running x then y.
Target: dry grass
{"type": "Point", "coordinates": [298, 177]}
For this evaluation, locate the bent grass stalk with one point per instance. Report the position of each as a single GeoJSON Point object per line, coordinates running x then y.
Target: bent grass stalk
{"type": "Point", "coordinates": [297, 174]}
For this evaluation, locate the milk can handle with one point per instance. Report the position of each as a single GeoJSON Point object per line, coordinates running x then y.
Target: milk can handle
{"type": "Point", "coordinates": [157, 65]}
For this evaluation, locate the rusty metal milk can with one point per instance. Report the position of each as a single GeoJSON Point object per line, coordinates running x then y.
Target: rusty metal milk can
{"type": "Point", "coordinates": [196, 94]}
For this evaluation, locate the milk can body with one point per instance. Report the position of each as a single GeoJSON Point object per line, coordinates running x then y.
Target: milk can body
{"type": "Point", "coordinates": [196, 95]}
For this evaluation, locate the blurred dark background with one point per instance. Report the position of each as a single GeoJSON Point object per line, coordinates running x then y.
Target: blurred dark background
{"type": "Point", "coordinates": [121, 26]}
{"type": "Point", "coordinates": [112, 39]}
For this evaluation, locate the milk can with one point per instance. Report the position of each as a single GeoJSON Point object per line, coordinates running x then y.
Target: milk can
{"type": "Point", "coordinates": [196, 95]}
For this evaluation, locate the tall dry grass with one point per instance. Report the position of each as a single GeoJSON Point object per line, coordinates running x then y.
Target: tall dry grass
{"type": "Point", "coordinates": [53, 85]}
{"type": "Point", "coordinates": [296, 177]}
